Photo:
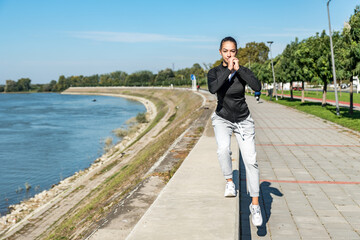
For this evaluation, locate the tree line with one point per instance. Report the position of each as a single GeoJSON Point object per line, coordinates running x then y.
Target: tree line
{"type": "Point", "coordinates": [24, 85]}
{"type": "Point", "coordinates": [141, 78]}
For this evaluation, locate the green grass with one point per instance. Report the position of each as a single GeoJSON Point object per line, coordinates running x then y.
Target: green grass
{"type": "Point", "coordinates": [345, 96]}
{"type": "Point", "coordinates": [328, 112]}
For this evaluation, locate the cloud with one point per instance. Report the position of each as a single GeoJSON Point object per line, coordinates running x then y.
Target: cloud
{"type": "Point", "coordinates": [290, 32]}
{"type": "Point", "coordinates": [136, 37]}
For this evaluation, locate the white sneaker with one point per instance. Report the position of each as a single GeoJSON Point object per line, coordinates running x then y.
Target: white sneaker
{"type": "Point", "coordinates": [256, 217]}
{"type": "Point", "coordinates": [230, 190]}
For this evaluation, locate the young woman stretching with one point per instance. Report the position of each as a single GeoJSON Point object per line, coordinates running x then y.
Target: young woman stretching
{"type": "Point", "coordinates": [228, 81]}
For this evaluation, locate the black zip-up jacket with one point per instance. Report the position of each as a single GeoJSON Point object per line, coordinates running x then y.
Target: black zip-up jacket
{"type": "Point", "coordinates": [231, 103]}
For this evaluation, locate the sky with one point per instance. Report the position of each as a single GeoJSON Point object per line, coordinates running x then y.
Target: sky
{"type": "Point", "coordinates": [42, 39]}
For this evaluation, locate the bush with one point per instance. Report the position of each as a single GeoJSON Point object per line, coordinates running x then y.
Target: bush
{"type": "Point", "coordinates": [108, 144]}
{"type": "Point", "coordinates": [120, 132]}
{"type": "Point", "coordinates": [141, 118]}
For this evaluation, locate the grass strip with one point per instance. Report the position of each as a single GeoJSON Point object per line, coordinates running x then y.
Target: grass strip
{"type": "Point", "coordinates": [344, 96]}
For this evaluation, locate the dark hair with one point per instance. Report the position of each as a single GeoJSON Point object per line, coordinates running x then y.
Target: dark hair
{"type": "Point", "coordinates": [228, 39]}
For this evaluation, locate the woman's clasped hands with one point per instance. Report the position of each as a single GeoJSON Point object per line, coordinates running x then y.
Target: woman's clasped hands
{"type": "Point", "coordinates": [233, 64]}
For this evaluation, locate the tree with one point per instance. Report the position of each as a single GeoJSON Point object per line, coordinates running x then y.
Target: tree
{"type": "Point", "coordinates": [62, 84]}
{"type": "Point", "coordinates": [305, 63]}
{"type": "Point", "coordinates": [262, 71]}
{"type": "Point", "coordinates": [182, 76]}
{"type": "Point", "coordinates": [105, 80]}
{"type": "Point", "coordinates": [50, 87]}
{"type": "Point", "coordinates": [164, 77]}
{"type": "Point", "coordinates": [355, 41]}
{"type": "Point", "coordinates": [11, 86]}
{"type": "Point", "coordinates": [280, 75]}
{"type": "Point", "coordinates": [89, 81]}
{"type": "Point", "coordinates": [253, 52]}
{"type": "Point", "coordinates": [140, 78]}
{"type": "Point", "coordinates": [23, 84]}
{"type": "Point", "coordinates": [118, 78]}
{"type": "Point", "coordinates": [197, 70]}
{"type": "Point", "coordinates": [321, 55]}
{"type": "Point", "coordinates": [351, 35]}
{"type": "Point", "coordinates": [289, 65]}
{"type": "Point", "coordinates": [314, 60]}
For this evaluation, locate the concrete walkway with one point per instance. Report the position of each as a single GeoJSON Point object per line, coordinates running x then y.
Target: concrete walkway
{"type": "Point", "coordinates": [310, 185]}
{"type": "Point", "coordinates": [192, 204]}
{"type": "Point", "coordinates": [310, 177]}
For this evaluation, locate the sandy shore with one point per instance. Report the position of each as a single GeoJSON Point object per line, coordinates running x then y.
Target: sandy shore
{"type": "Point", "coordinates": [21, 212]}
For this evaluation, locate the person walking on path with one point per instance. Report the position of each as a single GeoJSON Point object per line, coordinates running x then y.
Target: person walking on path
{"type": "Point", "coordinates": [257, 96]}
{"type": "Point", "coordinates": [228, 81]}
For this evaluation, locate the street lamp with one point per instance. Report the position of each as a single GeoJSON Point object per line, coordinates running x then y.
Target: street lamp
{"type": "Point", "coordinates": [272, 66]}
{"type": "Point", "coordinates": [333, 62]}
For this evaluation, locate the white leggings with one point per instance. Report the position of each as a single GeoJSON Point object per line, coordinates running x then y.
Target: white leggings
{"type": "Point", "coordinates": [245, 135]}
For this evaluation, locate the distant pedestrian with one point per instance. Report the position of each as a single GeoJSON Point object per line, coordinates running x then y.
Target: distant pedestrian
{"type": "Point", "coordinates": [228, 81]}
{"type": "Point", "coordinates": [257, 96]}
{"type": "Point", "coordinates": [198, 87]}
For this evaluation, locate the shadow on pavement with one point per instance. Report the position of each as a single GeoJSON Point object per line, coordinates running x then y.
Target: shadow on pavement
{"type": "Point", "coordinates": [266, 199]}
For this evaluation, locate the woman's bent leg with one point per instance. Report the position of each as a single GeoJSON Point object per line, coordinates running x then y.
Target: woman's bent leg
{"type": "Point", "coordinates": [223, 132]}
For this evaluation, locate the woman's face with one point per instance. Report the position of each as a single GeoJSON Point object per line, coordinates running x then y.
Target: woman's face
{"type": "Point", "coordinates": [227, 51]}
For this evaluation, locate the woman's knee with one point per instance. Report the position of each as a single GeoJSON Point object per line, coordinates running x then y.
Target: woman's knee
{"type": "Point", "coordinates": [250, 161]}
{"type": "Point", "coordinates": [223, 150]}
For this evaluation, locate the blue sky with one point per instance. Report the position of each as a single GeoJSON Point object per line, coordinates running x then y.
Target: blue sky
{"type": "Point", "coordinates": [45, 39]}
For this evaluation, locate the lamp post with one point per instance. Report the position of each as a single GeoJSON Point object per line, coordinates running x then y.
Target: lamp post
{"type": "Point", "coordinates": [333, 62]}
{"type": "Point", "coordinates": [272, 66]}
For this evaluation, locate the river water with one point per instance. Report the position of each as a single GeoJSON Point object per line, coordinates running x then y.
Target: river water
{"type": "Point", "coordinates": [46, 137]}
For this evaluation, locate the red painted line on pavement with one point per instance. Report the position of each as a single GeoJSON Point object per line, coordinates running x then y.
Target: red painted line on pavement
{"type": "Point", "coordinates": [305, 145]}
{"type": "Point", "coordinates": [291, 127]}
{"type": "Point", "coordinates": [309, 182]}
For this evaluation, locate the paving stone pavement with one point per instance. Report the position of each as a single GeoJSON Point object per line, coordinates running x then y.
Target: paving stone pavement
{"type": "Point", "coordinates": [310, 177]}
{"type": "Point", "coordinates": [310, 182]}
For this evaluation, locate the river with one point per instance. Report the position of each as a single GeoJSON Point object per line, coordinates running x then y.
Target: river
{"type": "Point", "coordinates": [46, 137]}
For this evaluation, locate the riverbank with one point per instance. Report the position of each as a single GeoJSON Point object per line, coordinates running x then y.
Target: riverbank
{"type": "Point", "coordinates": [92, 194]}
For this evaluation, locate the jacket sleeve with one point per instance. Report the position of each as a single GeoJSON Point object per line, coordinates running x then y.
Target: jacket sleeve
{"type": "Point", "coordinates": [215, 82]}
{"type": "Point", "coordinates": [249, 78]}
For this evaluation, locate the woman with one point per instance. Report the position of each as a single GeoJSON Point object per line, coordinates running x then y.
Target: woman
{"type": "Point", "coordinates": [228, 81]}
